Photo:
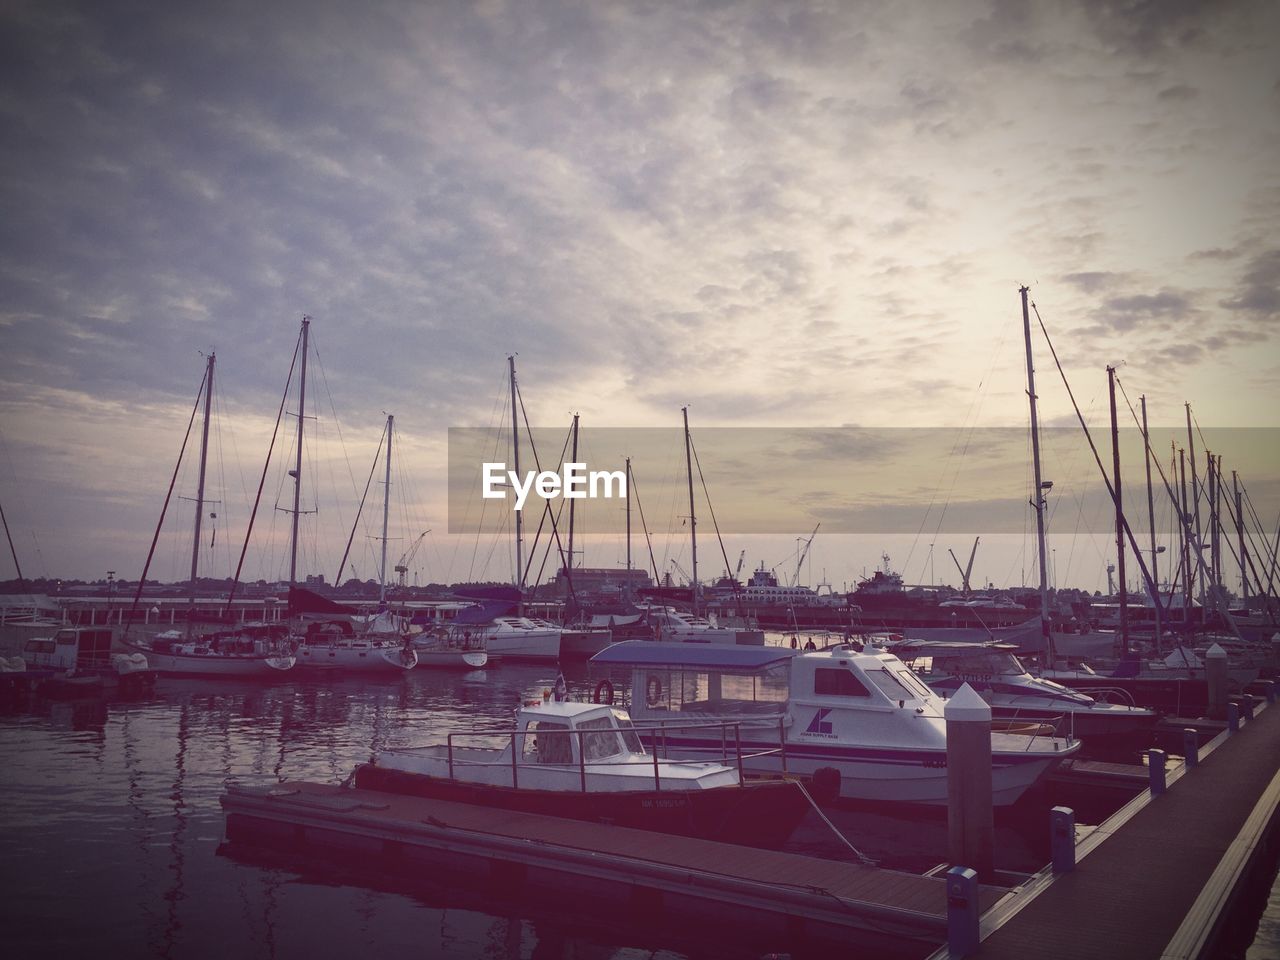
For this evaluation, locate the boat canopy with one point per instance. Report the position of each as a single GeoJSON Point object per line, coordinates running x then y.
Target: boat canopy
{"type": "Point", "coordinates": [699, 656]}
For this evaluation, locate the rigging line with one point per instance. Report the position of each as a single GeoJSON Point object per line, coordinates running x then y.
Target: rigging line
{"type": "Point", "coordinates": [546, 512]}
{"type": "Point", "coordinates": [497, 415]}
{"type": "Point", "coordinates": [706, 493]}
{"type": "Point", "coordinates": [1267, 546]}
{"type": "Point", "coordinates": [1133, 543]}
{"type": "Point", "coordinates": [555, 530]}
{"type": "Point", "coordinates": [649, 543]}
{"type": "Point", "coordinates": [235, 581]}
{"type": "Point", "coordinates": [382, 439]}
{"type": "Point", "coordinates": [133, 608]}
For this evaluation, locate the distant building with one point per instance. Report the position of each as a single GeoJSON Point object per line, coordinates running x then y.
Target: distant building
{"type": "Point", "coordinates": [600, 581]}
{"type": "Point", "coordinates": [315, 580]}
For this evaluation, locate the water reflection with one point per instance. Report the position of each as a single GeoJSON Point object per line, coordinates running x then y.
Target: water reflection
{"type": "Point", "coordinates": [111, 828]}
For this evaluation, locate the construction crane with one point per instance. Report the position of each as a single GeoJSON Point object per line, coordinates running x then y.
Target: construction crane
{"type": "Point", "coordinates": [741, 557]}
{"type": "Point", "coordinates": [965, 571]}
{"type": "Point", "coordinates": [795, 581]}
{"type": "Point", "coordinates": [402, 567]}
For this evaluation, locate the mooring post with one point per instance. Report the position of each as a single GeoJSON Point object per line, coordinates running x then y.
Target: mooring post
{"type": "Point", "coordinates": [1155, 762]}
{"type": "Point", "coordinates": [970, 817]}
{"type": "Point", "coordinates": [1233, 716]}
{"type": "Point", "coordinates": [1215, 669]}
{"type": "Point", "coordinates": [1191, 746]}
{"type": "Point", "coordinates": [1062, 839]}
{"type": "Point", "coordinates": [1268, 690]}
{"type": "Point", "coordinates": [962, 912]}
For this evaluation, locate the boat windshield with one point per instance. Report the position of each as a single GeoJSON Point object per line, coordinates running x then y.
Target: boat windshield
{"type": "Point", "coordinates": [630, 738]}
{"type": "Point", "coordinates": [599, 739]}
{"type": "Point", "coordinates": [898, 684]}
{"type": "Point", "coordinates": [549, 743]}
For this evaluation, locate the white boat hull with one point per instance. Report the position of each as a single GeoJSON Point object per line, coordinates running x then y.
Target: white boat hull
{"type": "Point", "coordinates": [220, 665]}
{"type": "Point", "coordinates": [882, 775]}
{"type": "Point", "coordinates": [358, 659]}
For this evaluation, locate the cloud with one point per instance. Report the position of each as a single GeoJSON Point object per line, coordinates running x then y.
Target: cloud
{"type": "Point", "coordinates": [1260, 288]}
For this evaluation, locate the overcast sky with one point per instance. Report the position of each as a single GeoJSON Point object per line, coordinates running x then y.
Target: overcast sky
{"type": "Point", "coordinates": [782, 214]}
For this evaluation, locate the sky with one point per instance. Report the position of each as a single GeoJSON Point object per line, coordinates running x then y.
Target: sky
{"type": "Point", "coordinates": [788, 215]}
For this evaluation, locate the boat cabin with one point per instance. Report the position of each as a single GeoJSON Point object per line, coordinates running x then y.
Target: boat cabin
{"type": "Point", "coordinates": [560, 732]}
{"type": "Point", "coordinates": [674, 681]}
{"type": "Point", "coordinates": [71, 648]}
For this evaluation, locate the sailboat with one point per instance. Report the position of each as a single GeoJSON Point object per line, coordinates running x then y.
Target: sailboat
{"type": "Point", "coordinates": [335, 646]}
{"type": "Point", "coordinates": [246, 651]}
{"type": "Point", "coordinates": [670, 624]}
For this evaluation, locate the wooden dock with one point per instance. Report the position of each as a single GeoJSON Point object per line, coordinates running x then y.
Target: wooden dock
{"type": "Point", "coordinates": [791, 894]}
{"type": "Point", "coordinates": [1157, 879]}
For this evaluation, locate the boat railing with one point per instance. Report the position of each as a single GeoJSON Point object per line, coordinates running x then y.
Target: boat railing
{"type": "Point", "coordinates": [518, 738]}
{"type": "Point", "coordinates": [659, 729]}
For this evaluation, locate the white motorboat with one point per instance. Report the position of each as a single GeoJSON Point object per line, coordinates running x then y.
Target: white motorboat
{"type": "Point", "coordinates": [998, 676]}
{"type": "Point", "coordinates": [584, 761]}
{"type": "Point", "coordinates": [865, 715]}
{"type": "Point", "coordinates": [674, 626]}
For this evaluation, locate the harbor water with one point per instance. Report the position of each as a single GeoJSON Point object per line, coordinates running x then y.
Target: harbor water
{"type": "Point", "coordinates": [112, 837]}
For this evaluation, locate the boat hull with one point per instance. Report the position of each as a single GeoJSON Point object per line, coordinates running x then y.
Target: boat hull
{"type": "Point", "coordinates": [757, 814]}
{"type": "Point", "coordinates": [215, 665]}
{"type": "Point", "coordinates": [362, 660]}
{"type": "Point", "coordinates": [876, 774]}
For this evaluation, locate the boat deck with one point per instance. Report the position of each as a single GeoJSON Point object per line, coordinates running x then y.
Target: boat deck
{"type": "Point", "coordinates": [1155, 884]}
{"type": "Point", "coordinates": [792, 886]}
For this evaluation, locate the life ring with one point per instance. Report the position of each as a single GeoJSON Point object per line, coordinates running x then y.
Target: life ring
{"type": "Point", "coordinates": [653, 690]}
{"type": "Point", "coordinates": [604, 692]}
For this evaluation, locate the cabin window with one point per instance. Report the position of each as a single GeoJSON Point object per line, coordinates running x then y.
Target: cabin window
{"type": "Point", "coordinates": [894, 684]}
{"type": "Point", "coordinates": [630, 739]}
{"type": "Point", "coordinates": [837, 683]}
{"type": "Point", "coordinates": [599, 740]}
{"type": "Point", "coordinates": [549, 743]}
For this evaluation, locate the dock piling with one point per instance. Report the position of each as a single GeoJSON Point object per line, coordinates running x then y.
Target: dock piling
{"type": "Point", "coordinates": [1233, 716]}
{"type": "Point", "coordinates": [1155, 762]}
{"type": "Point", "coordinates": [1062, 839]}
{"type": "Point", "coordinates": [1191, 746]}
{"type": "Point", "coordinates": [962, 912]}
{"type": "Point", "coordinates": [1268, 690]}
{"type": "Point", "coordinates": [970, 816]}
{"type": "Point", "coordinates": [1215, 669]}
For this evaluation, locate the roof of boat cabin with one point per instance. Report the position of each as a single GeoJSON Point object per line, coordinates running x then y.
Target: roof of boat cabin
{"type": "Point", "coordinates": [565, 709]}
{"type": "Point", "coordinates": [706, 656]}
{"type": "Point", "coordinates": [922, 648]}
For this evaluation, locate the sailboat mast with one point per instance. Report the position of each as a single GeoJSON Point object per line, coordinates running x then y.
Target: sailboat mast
{"type": "Point", "coordinates": [1151, 521]}
{"type": "Point", "coordinates": [297, 466]}
{"type": "Point", "coordinates": [18, 566]}
{"type": "Point", "coordinates": [1243, 547]}
{"type": "Point", "coordinates": [515, 457]}
{"type": "Point", "coordinates": [1123, 594]}
{"type": "Point", "coordinates": [386, 511]}
{"type": "Point", "coordinates": [204, 458]}
{"type": "Point", "coordinates": [629, 528]}
{"type": "Point", "coordinates": [693, 520]}
{"type": "Point", "coordinates": [1038, 503]}
{"type": "Point", "coordinates": [1195, 499]}
{"type": "Point", "coordinates": [573, 503]}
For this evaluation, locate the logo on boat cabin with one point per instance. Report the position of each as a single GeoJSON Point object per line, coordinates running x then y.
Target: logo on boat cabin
{"type": "Point", "coordinates": [820, 726]}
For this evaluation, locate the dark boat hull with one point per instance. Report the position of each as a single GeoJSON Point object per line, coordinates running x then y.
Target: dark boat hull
{"type": "Point", "coordinates": [757, 814]}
